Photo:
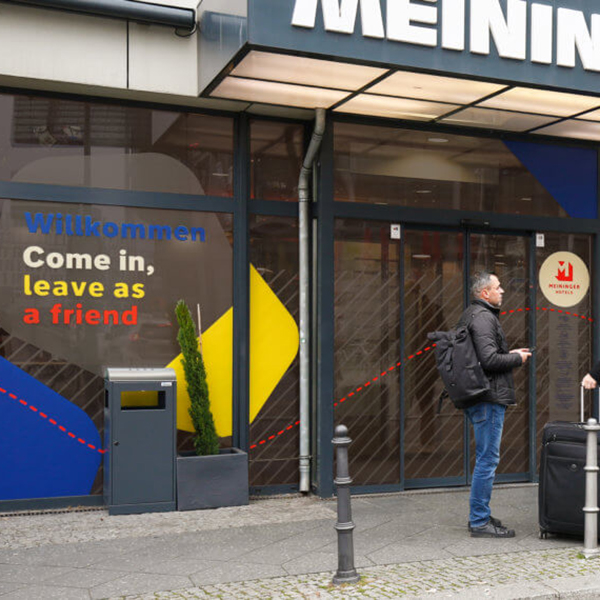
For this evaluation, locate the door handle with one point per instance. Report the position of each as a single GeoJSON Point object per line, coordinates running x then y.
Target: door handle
{"type": "Point", "coordinates": [115, 443]}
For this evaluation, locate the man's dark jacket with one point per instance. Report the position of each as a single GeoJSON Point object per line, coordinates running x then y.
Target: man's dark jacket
{"type": "Point", "coordinates": [595, 372]}
{"type": "Point", "coordinates": [492, 350]}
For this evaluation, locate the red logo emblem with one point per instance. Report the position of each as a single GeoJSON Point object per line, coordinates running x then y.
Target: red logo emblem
{"type": "Point", "coordinates": [562, 273]}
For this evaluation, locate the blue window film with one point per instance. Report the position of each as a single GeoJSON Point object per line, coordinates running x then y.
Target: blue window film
{"type": "Point", "coordinates": [569, 174]}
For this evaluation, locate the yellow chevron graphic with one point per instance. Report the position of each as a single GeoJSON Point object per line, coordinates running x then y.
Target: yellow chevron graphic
{"type": "Point", "coordinates": [273, 346]}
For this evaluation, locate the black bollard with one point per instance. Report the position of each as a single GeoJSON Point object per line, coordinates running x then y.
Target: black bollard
{"type": "Point", "coordinates": [346, 572]}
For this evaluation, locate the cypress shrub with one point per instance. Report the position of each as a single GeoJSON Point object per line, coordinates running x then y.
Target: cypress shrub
{"type": "Point", "coordinates": [206, 440]}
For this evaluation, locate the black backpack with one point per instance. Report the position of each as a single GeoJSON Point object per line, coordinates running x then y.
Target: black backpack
{"type": "Point", "coordinates": [458, 366]}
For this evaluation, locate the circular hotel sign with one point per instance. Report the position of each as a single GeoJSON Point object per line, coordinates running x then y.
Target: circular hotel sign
{"type": "Point", "coordinates": [564, 279]}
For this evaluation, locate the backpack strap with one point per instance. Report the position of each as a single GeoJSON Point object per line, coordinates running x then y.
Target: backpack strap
{"type": "Point", "coordinates": [443, 395]}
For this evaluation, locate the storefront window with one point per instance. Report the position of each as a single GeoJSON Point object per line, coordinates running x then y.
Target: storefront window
{"type": "Point", "coordinates": [66, 142]}
{"type": "Point", "coordinates": [564, 327]}
{"type": "Point", "coordinates": [367, 348]}
{"type": "Point", "coordinates": [274, 370]}
{"type": "Point", "coordinates": [433, 301]}
{"type": "Point", "coordinates": [508, 257]}
{"type": "Point", "coordinates": [86, 287]}
{"type": "Point", "coordinates": [276, 150]}
{"type": "Point", "coordinates": [383, 165]}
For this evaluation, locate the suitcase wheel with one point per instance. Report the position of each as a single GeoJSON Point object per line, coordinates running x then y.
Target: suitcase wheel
{"type": "Point", "coordinates": [543, 534]}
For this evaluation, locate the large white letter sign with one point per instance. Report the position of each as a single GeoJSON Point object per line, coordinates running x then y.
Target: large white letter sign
{"type": "Point", "coordinates": [541, 33]}
{"type": "Point", "coordinates": [400, 15]}
{"type": "Point", "coordinates": [572, 31]}
{"type": "Point", "coordinates": [340, 16]}
{"type": "Point", "coordinates": [453, 24]}
{"type": "Point", "coordinates": [510, 35]}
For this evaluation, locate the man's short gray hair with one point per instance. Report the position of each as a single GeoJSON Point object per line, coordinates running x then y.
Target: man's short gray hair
{"type": "Point", "coordinates": [479, 282]}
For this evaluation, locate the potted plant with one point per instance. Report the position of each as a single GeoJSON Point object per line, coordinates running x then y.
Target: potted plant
{"type": "Point", "coordinates": [209, 477]}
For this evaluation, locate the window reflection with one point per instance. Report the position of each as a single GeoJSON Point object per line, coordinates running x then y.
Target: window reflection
{"type": "Point", "coordinates": [66, 142]}
{"type": "Point", "coordinates": [274, 254]}
{"type": "Point", "coordinates": [382, 165]}
{"type": "Point", "coordinates": [276, 158]}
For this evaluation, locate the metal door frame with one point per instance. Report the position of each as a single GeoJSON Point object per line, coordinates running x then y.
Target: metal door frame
{"type": "Point", "coordinates": [467, 229]}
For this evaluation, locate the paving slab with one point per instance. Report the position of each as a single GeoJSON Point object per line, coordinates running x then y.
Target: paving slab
{"type": "Point", "coordinates": [157, 565]}
{"type": "Point", "coordinates": [233, 572]}
{"type": "Point", "coordinates": [57, 555]}
{"type": "Point", "coordinates": [317, 562]}
{"type": "Point", "coordinates": [9, 587]}
{"type": "Point", "coordinates": [83, 578]}
{"type": "Point", "coordinates": [30, 575]}
{"type": "Point", "coordinates": [510, 576]}
{"type": "Point", "coordinates": [406, 545]}
{"type": "Point", "coordinates": [40, 592]}
{"type": "Point", "coordinates": [578, 587]}
{"type": "Point", "coordinates": [139, 583]}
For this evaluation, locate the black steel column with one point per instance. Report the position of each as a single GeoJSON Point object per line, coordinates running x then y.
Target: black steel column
{"type": "Point", "coordinates": [241, 286]}
{"type": "Point", "coordinates": [595, 288]}
{"type": "Point", "coordinates": [466, 302]}
{"type": "Point", "coordinates": [532, 299]}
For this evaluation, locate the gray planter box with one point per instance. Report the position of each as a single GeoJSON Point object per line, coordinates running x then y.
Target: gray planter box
{"type": "Point", "coordinates": [212, 481]}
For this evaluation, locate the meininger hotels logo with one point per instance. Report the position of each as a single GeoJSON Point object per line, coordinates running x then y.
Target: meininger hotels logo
{"type": "Point", "coordinates": [521, 30]}
{"type": "Point", "coordinates": [564, 279]}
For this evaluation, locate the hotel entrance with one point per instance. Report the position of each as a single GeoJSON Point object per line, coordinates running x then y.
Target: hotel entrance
{"type": "Point", "coordinates": [389, 293]}
{"type": "Point", "coordinates": [417, 213]}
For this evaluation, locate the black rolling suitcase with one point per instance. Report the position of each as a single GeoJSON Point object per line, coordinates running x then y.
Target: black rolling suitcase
{"type": "Point", "coordinates": [562, 478]}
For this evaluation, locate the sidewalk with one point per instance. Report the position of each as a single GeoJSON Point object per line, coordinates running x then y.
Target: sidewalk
{"type": "Point", "coordinates": [407, 545]}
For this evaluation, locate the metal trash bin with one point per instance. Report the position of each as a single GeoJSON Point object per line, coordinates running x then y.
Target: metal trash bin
{"type": "Point", "coordinates": [140, 438]}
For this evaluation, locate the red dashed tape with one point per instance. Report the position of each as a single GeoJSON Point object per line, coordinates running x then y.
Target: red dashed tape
{"type": "Point", "coordinates": [51, 421]}
{"type": "Point", "coordinates": [356, 391]}
{"type": "Point", "coordinates": [289, 427]}
{"type": "Point", "coordinates": [419, 353]}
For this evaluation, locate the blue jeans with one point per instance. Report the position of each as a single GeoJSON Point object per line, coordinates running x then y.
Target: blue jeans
{"type": "Point", "coordinates": [487, 420]}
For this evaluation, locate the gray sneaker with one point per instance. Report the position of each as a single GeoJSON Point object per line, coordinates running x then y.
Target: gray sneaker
{"type": "Point", "coordinates": [493, 521]}
{"type": "Point", "coordinates": [489, 530]}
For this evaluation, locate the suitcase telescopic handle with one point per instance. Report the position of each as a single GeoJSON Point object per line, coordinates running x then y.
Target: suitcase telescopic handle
{"type": "Point", "coordinates": [581, 404]}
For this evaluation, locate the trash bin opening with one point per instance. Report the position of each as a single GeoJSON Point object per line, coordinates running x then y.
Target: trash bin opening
{"type": "Point", "coordinates": [143, 399]}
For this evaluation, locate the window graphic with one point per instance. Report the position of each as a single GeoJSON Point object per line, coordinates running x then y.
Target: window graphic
{"type": "Point", "coordinates": [564, 279]}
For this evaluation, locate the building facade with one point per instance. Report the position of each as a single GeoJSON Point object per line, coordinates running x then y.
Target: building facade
{"type": "Point", "coordinates": [150, 155]}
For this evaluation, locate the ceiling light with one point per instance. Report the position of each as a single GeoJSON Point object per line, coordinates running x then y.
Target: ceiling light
{"type": "Point", "coordinates": [271, 92]}
{"type": "Point", "coordinates": [306, 71]}
{"type": "Point", "coordinates": [498, 119]}
{"type": "Point", "coordinates": [396, 108]}
{"type": "Point", "coordinates": [526, 199]}
{"type": "Point", "coordinates": [590, 116]}
{"type": "Point", "coordinates": [542, 102]}
{"type": "Point", "coordinates": [432, 87]}
{"type": "Point", "coordinates": [576, 128]}
{"type": "Point", "coordinates": [421, 256]}
{"type": "Point", "coordinates": [438, 140]}
{"type": "Point", "coordinates": [423, 191]}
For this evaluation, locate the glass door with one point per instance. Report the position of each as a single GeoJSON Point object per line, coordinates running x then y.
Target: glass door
{"type": "Point", "coordinates": [367, 348]}
{"type": "Point", "coordinates": [433, 301]}
{"type": "Point", "coordinates": [508, 256]}
{"type": "Point", "coordinates": [390, 293]}
{"type": "Point", "coordinates": [437, 270]}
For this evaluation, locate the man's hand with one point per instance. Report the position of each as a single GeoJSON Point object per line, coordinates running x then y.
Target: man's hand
{"type": "Point", "coordinates": [588, 382]}
{"type": "Point", "coordinates": [523, 353]}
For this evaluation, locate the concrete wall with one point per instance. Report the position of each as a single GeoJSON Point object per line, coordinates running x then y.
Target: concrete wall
{"type": "Point", "coordinates": [60, 51]}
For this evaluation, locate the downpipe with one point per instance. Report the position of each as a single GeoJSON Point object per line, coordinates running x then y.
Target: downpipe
{"type": "Point", "coordinates": [149, 13]}
{"type": "Point", "coordinates": [303, 242]}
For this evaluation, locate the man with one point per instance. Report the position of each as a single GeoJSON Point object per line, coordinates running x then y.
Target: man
{"type": "Point", "coordinates": [487, 416]}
